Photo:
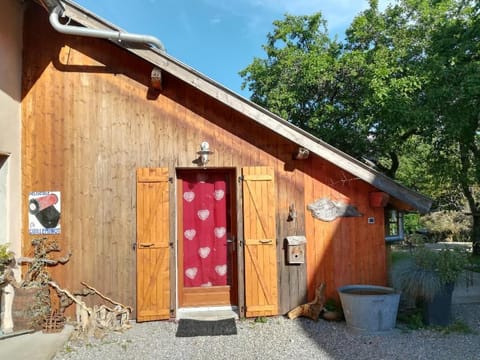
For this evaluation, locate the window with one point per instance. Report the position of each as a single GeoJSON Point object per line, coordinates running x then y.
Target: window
{"type": "Point", "coordinates": [394, 225]}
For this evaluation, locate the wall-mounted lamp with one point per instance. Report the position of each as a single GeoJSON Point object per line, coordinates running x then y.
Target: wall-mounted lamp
{"type": "Point", "coordinates": [204, 153]}
{"type": "Point", "coordinates": [301, 154]}
{"type": "Point", "coordinates": [292, 213]}
{"type": "Point", "coordinates": [156, 78]}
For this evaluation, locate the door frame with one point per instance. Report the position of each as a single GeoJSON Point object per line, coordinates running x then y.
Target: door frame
{"type": "Point", "coordinates": [235, 223]}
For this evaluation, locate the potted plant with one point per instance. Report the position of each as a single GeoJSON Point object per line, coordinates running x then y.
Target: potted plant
{"type": "Point", "coordinates": [7, 261]}
{"type": "Point", "coordinates": [428, 278]}
{"type": "Point", "coordinates": [32, 305]}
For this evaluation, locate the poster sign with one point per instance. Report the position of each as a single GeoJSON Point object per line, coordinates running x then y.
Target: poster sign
{"type": "Point", "coordinates": [44, 212]}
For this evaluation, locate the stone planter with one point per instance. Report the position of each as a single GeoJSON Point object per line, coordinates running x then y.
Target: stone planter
{"type": "Point", "coordinates": [29, 308]}
{"type": "Point", "coordinates": [369, 309]}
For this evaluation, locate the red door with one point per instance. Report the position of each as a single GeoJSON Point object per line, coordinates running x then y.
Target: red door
{"type": "Point", "coordinates": [206, 240]}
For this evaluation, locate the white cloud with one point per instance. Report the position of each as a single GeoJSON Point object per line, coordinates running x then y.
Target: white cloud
{"type": "Point", "coordinates": [215, 20]}
{"type": "Point", "coordinates": [338, 13]}
{"type": "Point", "coordinates": [350, 7]}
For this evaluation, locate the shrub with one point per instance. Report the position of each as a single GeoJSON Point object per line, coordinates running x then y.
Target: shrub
{"type": "Point", "coordinates": [448, 225]}
{"type": "Point", "coordinates": [428, 271]}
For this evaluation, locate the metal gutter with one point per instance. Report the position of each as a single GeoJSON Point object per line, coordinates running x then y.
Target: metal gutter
{"type": "Point", "coordinates": [113, 35]}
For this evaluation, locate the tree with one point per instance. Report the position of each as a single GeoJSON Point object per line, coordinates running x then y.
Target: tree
{"type": "Point", "coordinates": [453, 97]}
{"type": "Point", "coordinates": [304, 79]}
{"type": "Point", "coordinates": [403, 78]}
{"type": "Point", "coordinates": [356, 96]}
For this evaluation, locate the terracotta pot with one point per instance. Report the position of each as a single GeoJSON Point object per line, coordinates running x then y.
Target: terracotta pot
{"type": "Point", "coordinates": [28, 309]}
{"type": "Point", "coordinates": [332, 315]}
{"type": "Point", "coordinates": [378, 199]}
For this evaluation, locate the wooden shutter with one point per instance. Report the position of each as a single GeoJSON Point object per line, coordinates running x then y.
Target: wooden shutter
{"type": "Point", "coordinates": [153, 238]}
{"type": "Point", "coordinates": [261, 293]}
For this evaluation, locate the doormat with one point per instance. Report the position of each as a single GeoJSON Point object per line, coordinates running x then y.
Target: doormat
{"type": "Point", "coordinates": [190, 327]}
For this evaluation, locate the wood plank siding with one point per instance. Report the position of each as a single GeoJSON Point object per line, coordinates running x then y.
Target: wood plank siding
{"type": "Point", "coordinates": [90, 121]}
{"type": "Point", "coordinates": [346, 250]}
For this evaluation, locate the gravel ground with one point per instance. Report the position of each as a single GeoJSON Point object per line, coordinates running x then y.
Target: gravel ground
{"type": "Point", "coordinates": [281, 338]}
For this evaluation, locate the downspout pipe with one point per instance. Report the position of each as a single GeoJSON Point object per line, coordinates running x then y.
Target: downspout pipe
{"type": "Point", "coordinates": [101, 34]}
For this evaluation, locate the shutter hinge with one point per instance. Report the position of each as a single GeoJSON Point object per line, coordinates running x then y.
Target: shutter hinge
{"type": "Point", "coordinates": [170, 179]}
{"type": "Point", "coordinates": [240, 178]}
{"type": "Point", "coordinates": [170, 244]}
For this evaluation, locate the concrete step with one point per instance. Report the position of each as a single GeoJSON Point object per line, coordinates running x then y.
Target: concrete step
{"type": "Point", "coordinates": [208, 313]}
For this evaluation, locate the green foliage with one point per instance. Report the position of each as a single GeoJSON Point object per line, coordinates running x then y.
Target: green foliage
{"type": "Point", "coordinates": [5, 254]}
{"type": "Point", "coordinates": [475, 263]}
{"type": "Point", "coordinates": [458, 327]}
{"type": "Point", "coordinates": [421, 276]}
{"type": "Point", "coordinates": [6, 258]}
{"type": "Point", "coordinates": [414, 281]}
{"type": "Point", "coordinates": [261, 320]}
{"type": "Point", "coordinates": [401, 91]}
{"type": "Point", "coordinates": [448, 225]}
{"type": "Point", "coordinates": [411, 222]}
{"type": "Point", "coordinates": [413, 319]}
{"type": "Point", "coordinates": [400, 255]}
{"type": "Point", "coordinates": [332, 305]}
{"type": "Point", "coordinates": [446, 263]}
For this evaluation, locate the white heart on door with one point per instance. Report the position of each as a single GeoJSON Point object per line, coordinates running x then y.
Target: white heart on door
{"type": "Point", "coordinates": [219, 232]}
{"type": "Point", "coordinates": [218, 194]}
{"type": "Point", "coordinates": [221, 269]}
{"type": "Point", "coordinates": [204, 252]}
{"type": "Point", "coordinates": [189, 196]}
{"type": "Point", "coordinates": [203, 214]}
{"type": "Point", "coordinates": [191, 273]}
{"type": "Point", "coordinates": [190, 234]}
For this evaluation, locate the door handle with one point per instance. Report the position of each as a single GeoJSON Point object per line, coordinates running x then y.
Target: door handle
{"type": "Point", "coordinates": [146, 244]}
{"type": "Point", "coordinates": [232, 240]}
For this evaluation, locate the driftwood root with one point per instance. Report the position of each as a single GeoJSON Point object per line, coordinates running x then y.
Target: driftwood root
{"type": "Point", "coordinates": [312, 309]}
{"type": "Point", "coordinates": [99, 319]}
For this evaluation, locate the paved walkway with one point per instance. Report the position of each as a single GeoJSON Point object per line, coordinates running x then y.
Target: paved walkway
{"type": "Point", "coordinates": [34, 346]}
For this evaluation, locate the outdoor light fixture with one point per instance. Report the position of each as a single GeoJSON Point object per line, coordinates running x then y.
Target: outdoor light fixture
{"type": "Point", "coordinates": [204, 153]}
{"type": "Point", "coordinates": [156, 78]}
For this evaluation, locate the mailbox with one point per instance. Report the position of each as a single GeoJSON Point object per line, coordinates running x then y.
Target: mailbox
{"type": "Point", "coordinates": [296, 249]}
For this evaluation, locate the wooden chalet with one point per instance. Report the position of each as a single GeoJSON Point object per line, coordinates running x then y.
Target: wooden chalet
{"type": "Point", "coordinates": [176, 192]}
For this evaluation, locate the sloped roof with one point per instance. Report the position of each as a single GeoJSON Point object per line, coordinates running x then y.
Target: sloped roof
{"type": "Point", "coordinates": [255, 112]}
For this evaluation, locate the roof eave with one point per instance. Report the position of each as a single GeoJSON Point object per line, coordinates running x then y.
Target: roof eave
{"type": "Point", "coordinates": [255, 112]}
